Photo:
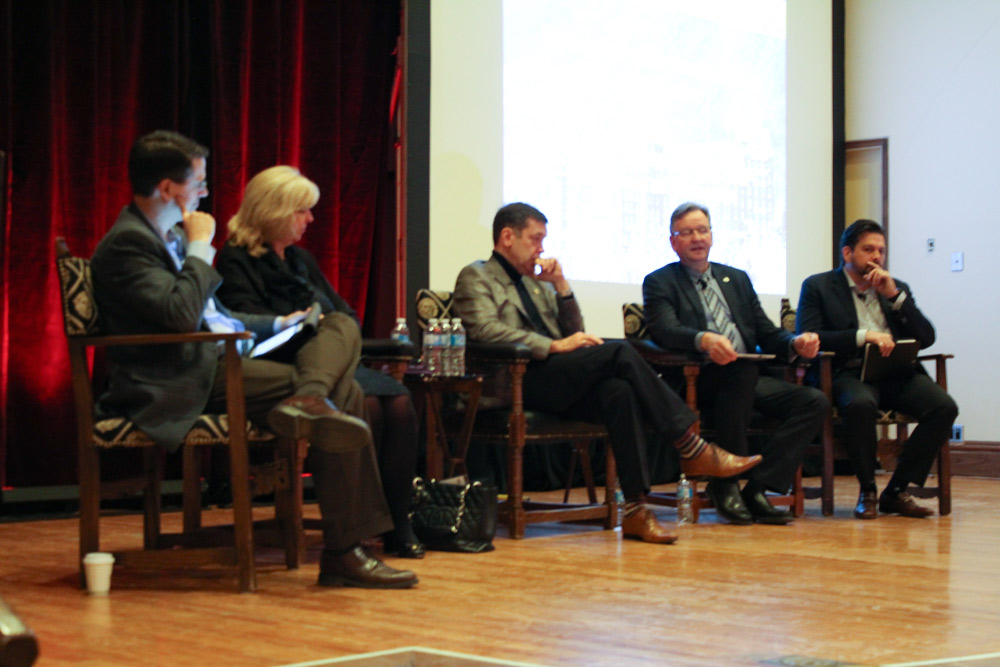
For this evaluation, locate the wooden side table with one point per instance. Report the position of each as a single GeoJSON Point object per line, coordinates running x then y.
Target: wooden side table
{"type": "Point", "coordinates": [428, 391]}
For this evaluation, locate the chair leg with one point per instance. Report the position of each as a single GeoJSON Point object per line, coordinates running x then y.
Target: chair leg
{"type": "Point", "coordinates": [827, 474]}
{"type": "Point", "coordinates": [152, 467]}
{"type": "Point", "coordinates": [515, 491]}
{"type": "Point", "coordinates": [944, 480]}
{"type": "Point", "coordinates": [192, 488]}
{"type": "Point", "coordinates": [288, 501]}
{"type": "Point", "coordinates": [610, 486]}
{"type": "Point", "coordinates": [573, 455]}
{"type": "Point", "coordinates": [582, 448]}
{"type": "Point", "coordinates": [90, 504]}
{"type": "Point", "coordinates": [798, 495]}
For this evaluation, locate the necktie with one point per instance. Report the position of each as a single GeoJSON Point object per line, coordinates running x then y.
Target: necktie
{"type": "Point", "coordinates": [723, 320]}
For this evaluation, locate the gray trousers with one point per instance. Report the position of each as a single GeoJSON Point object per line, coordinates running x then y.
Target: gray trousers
{"type": "Point", "coordinates": [348, 487]}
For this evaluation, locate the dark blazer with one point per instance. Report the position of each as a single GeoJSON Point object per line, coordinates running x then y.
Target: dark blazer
{"type": "Point", "coordinates": [675, 314]}
{"type": "Point", "coordinates": [826, 306]}
{"type": "Point", "coordinates": [270, 285]}
{"type": "Point", "coordinates": [138, 290]}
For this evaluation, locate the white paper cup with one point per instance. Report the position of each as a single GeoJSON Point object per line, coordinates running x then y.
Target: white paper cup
{"type": "Point", "coordinates": [97, 567]}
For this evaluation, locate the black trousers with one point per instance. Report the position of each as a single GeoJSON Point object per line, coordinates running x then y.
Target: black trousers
{"type": "Point", "coordinates": [916, 395]}
{"type": "Point", "coordinates": [610, 384]}
{"type": "Point", "coordinates": [731, 393]}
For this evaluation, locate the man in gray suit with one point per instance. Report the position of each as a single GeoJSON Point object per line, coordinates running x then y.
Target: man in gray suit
{"type": "Point", "coordinates": [518, 297]}
{"type": "Point", "coordinates": [153, 273]}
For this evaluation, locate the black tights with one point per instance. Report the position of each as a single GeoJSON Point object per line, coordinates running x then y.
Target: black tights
{"type": "Point", "coordinates": [394, 429]}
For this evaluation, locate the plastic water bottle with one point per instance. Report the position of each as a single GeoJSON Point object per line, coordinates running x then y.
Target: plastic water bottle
{"type": "Point", "coordinates": [457, 347]}
{"type": "Point", "coordinates": [400, 332]}
{"type": "Point", "coordinates": [431, 351]}
{"type": "Point", "coordinates": [444, 342]}
{"type": "Point", "coordinates": [685, 501]}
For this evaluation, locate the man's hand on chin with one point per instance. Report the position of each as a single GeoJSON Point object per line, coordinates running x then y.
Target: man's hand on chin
{"type": "Point", "coordinates": [551, 272]}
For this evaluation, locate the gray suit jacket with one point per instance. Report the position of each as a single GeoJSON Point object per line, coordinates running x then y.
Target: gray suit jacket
{"type": "Point", "coordinates": [492, 312]}
{"type": "Point", "coordinates": [138, 289]}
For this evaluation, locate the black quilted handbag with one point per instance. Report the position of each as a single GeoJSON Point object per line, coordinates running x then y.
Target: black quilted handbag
{"type": "Point", "coordinates": [454, 517]}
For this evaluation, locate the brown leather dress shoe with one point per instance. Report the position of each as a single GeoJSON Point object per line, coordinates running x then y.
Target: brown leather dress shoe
{"type": "Point", "coordinates": [866, 507]}
{"type": "Point", "coordinates": [902, 504]}
{"type": "Point", "coordinates": [717, 462]}
{"type": "Point", "coordinates": [319, 421]}
{"type": "Point", "coordinates": [643, 525]}
{"type": "Point", "coordinates": [358, 568]}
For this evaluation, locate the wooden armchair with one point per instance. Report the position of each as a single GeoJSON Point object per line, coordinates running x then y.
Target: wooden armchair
{"type": "Point", "coordinates": [689, 367]}
{"type": "Point", "coordinates": [889, 445]}
{"type": "Point", "coordinates": [889, 448]}
{"type": "Point", "coordinates": [194, 547]}
{"type": "Point", "coordinates": [516, 428]}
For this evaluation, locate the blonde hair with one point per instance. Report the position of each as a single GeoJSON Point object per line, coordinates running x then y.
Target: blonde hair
{"type": "Point", "coordinates": [270, 200]}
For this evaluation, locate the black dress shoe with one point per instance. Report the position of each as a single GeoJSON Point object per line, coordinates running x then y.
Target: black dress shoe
{"type": "Point", "coordinates": [902, 504]}
{"type": "Point", "coordinates": [763, 511]}
{"type": "Point", "coordinates": [725, 495]}
{"type": "Point", "coordinates": [411, 548]}
{"type": "Point", "coordinates": [358, 568]}
{"type": "Point", "coordinates": [867, 506]}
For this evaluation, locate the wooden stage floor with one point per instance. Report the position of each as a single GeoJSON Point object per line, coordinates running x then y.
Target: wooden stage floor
{"type": "Point", "coordinates": [893, 591]}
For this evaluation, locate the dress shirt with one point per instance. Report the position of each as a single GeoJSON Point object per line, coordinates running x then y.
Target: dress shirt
{"type": "Point", "coordinates": [869, 310]}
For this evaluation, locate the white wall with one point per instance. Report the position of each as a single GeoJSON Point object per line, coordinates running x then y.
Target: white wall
{"type": "Point", "coordinates": [466, 151]}
{"type": "Point", "coordinates": [926, 74]}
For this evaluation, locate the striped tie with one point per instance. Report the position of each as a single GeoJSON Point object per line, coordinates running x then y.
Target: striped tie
{"type": "Point", "coordinates": [723, 320]}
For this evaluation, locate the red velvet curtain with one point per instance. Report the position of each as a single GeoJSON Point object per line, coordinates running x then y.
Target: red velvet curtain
{"type": "Point", "coordinates": [301, 82]}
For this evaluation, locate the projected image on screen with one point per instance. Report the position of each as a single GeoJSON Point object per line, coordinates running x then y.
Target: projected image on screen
{"type": "Point", "coordinates": [615, 113]}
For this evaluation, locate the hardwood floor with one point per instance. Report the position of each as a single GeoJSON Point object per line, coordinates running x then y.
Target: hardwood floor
{"type": "Point", "coordinates": [882, 592]}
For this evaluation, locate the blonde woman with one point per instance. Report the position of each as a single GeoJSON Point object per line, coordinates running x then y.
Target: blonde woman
{"type": "Point", "coordinates": [265, 271]}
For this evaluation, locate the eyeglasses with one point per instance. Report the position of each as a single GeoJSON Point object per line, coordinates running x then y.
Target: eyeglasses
{"type": "Point", "coordinates": [691, 231]}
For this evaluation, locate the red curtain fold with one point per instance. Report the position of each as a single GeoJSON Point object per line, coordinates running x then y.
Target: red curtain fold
{"type": "Point", "coordinates": [261, 83]}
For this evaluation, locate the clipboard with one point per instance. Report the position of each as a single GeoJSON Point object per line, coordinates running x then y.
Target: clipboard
{"type": "Point", "coordinates": [901, 361]}
{"type": "Point", "coordinates": [283, 345]}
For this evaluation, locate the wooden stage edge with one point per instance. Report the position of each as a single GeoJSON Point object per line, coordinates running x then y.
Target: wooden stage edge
{"type": "Point", "coordinates": [824, 591]}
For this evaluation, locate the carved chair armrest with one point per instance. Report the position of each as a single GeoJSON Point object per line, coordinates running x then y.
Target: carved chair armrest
{"type": "Point", "coordinates": [388, 355]}
{"type": "Point", "coordinates": [940, 369]}
{"type": "Point", "coordinates": [161, 338]}
{"type": "Point", "coordinates": [387, 348]}
{"type": "Point", "coordinates": [499, 353]}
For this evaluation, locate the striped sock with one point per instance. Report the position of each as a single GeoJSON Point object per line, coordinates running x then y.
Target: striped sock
{"type": "Point", "coordinates": [632, 506]}
{"type": "Point", "coordinates": [690, 445]}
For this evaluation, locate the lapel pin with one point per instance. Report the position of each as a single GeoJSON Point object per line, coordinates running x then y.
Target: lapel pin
{"type": "Point", "coordinates": [726, 279]}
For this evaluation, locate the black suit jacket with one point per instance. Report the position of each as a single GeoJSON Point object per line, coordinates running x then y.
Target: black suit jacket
{"type": "Point", "coordinates": [139, 290]}
{"type": "Point", "coordinates": [826, 306]}
{"type": "Point", "coordinates": [675, 314]}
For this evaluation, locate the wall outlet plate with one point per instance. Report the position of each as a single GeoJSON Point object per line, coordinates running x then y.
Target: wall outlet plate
{"type": "Point", "coordinates": [958, 433]}
{"type": "Point", "coordinates": [957, 261]}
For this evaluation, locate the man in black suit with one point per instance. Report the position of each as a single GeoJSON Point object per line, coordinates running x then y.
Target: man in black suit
{"type": "Point", "coordinates": [517, 296]}
{"type": "Point", "coordinates": [712, 310]}
{"type": "Point", "coordinates": [153, 273]}
{"type": "Point", "coordinates": [861, 304]}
